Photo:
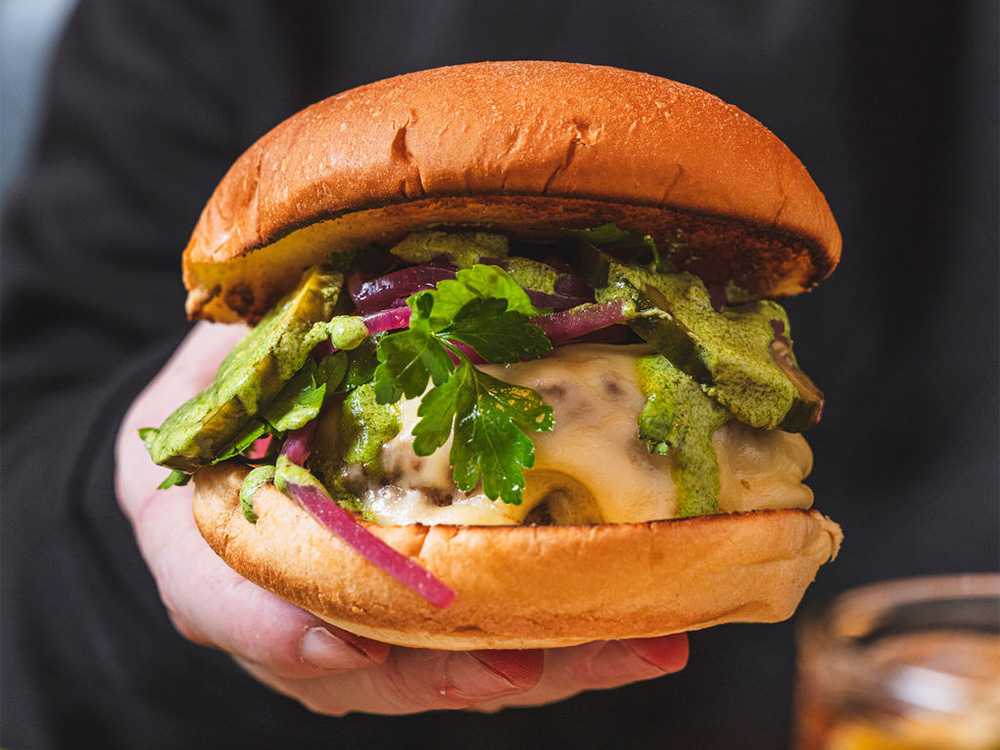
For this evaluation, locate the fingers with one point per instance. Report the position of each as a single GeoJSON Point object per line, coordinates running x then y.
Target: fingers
{"type": "Point", "coordinates": [208, 602]}
{"type": "Point", "coordinates": [211, 603]}
{"type": "Point", "coordinates": [459, 679]}
{"type": "Point", "coordinates": [601, 665]}
{"type": "Point", "coordinates": [413, 680]}
{"type": "Point", "coordinates": [613, 663]}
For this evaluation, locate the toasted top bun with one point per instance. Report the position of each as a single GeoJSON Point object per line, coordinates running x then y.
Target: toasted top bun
{"type": "Point", "coordinates": [525, 586]}
{"type": "Point", "coordinates": [522, 147]}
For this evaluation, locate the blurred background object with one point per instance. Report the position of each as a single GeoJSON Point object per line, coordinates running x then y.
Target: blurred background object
{"type": "Point", "coordinates": [911, 664]}
{"type": "Point", "coordinates": [29, 30]}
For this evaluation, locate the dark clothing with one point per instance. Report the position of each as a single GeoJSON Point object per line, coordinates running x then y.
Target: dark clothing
{"type": "Point", "coordinates": [892, 106]}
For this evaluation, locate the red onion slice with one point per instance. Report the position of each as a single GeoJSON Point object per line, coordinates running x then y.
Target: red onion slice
{"type": "Point", "coordinates": [571, 324]}
{"type": "Point", "coordinates": [298, 443]}
{"type": "Point", "coordinates": [388, 320]}
{"type": "Point", "coordinates": [382, 291]}
{"type": "Point", "coordinates": [717, 295]}
{"type": "Point", "coordinates": [323, 349]}
{"type": "Point", "coordinates": [613, 334]}
{"type": "Point", "coordinates": [259, 447]}
{"type": "Point", "coordinates": [325, 511]}
{"type": "Point", "coordinates": [572, 285]}
{"type": "Point", "coordinates": [354, 281]}
{"type": "Point", "coordinates": [545, 301]}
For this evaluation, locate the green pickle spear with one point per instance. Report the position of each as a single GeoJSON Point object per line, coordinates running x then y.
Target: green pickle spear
{"type": "Point", "coordinates": [250, 376]}
{"type": "Point", "coordinates": [731, 353]}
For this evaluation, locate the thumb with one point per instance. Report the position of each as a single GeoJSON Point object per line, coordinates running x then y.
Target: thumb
{"type": "Point", "coordinates": [209, 602]}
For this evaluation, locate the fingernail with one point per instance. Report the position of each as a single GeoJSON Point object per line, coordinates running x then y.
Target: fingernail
{"type": "Point", "coordinates": [616, 662]}
{"type": "Point", "coordinates": [323, 649]}
{"type": "Point", "coordinates": [667, 653]}
{"type": "Point", "coordinates": [474, 678]}
{"type": "Point", "coordinates": [639, 659]}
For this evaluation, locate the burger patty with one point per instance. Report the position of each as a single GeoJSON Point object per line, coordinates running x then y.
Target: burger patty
{"type": "Point", "coordinates": [590, 468]}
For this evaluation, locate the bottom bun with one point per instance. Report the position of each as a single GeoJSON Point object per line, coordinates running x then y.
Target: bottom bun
{"type": "Point", "coordinates": [525, 586]}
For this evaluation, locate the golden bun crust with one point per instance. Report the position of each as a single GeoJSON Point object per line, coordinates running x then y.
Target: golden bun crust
{"type": "Point", "coordinates": [521, 146]}
{"type": "Point", "coordinates": [525, 587]}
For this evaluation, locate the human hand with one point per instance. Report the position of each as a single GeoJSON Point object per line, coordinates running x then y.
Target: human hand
{"type": "Point", "coordinates": [328, 669]}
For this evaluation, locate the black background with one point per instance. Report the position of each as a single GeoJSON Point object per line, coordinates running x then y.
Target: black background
{"type": "Point", "coordinates": [891, 105]}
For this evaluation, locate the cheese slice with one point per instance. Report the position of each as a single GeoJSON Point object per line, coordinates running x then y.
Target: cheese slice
{"type": "Point", "coordinates": [591, 468]}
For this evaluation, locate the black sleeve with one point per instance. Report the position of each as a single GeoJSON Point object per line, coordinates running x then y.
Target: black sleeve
{"type": "Point", "coordinates": [149, 104]}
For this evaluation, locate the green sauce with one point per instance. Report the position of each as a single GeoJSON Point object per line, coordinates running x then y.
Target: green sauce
{"type": "Point", "coordinates": [532, 274]}
{"type": "Point", "coordinates": [678, 420]}
{"type": "Point", "coordinates": [353, 434]}
{"type": "Point", "coordinates": [252, 484]}
{"type": "Point", "coordinates": [347, 331]}
{"type": "Point", "coordinates": [365, 425]}
{"type": "Point", "coordinates": [464, 249]}
{"type": "Point", "coordinates": [728, 352]}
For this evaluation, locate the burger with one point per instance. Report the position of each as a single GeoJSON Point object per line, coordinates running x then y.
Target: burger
{"type": "Point", "coordinates": [516, 375]}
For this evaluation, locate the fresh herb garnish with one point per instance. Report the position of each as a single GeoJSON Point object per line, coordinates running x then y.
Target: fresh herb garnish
{"type": "Point", "coordinates": [490, 419]}
{"type": "Point", "coordinates": [174, 479]}
{"type": "Point", "coordinates": [486, 310]}
{"type": "Point", "coordinates": [252, 484]}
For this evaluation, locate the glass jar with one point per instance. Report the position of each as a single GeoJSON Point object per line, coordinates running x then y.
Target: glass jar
{"type": "Point", "coordinates": [902, 665]}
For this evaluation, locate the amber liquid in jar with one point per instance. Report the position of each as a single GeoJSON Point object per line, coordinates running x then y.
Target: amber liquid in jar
{"type": "Point", "coordinates": [910, 665]}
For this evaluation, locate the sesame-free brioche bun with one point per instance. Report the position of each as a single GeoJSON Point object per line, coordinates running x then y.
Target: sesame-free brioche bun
{"type": "Point", "coordinates": [522, 147]}
{"type": "Point", "coordinates": [525, 586]}
{"type": "Point", "coordinates": [529, 149]}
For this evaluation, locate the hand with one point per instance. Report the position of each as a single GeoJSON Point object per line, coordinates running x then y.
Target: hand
{"type": "Point", "coordinates": [329, 670]}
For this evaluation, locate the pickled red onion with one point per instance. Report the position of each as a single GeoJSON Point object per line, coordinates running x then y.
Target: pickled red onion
{"type": "Point", "coordinates": [565, 325]}
{"type": "Point", "coordinates": [382, 291]}
{"type": "Point", "coordinates": [341, 522]}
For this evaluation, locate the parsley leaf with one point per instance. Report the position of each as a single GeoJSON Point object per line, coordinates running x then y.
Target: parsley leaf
{"type": "Point", "coordinates": [175, 478]}
{"type": "Point", "coordinates": [485, 309]}
{"type": "Point", "coordinates": [482, 282]}
{"type": "Point", "coordinates": [251, 433]}
{"type": "Point", "coordinates": [489, 434]}
{"type": "Point", "coordinates": [407, 360]}
{"type": "Point", "coordinates": [437, 414]}
{"type": "Point", "coordinates": [496, 333]}
{"type": "Point", "coordinates": [490, 418]}
{"type": "Point", "coordinates": [361, 364]}
{"type": "Point", "coordinates": [147, 435]}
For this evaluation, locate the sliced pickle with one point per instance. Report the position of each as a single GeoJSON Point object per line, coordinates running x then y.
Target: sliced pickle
{"type": "Point", "coordinates": [653, 324]}
{"type": "Point", "coordinates": [807, 408]}
{"type": "Point", "coordinates": [729, 352]}
{"type": "Point", "coordinates": [667, 333]}
{"type": "Point", "coordinates": [251, 375]}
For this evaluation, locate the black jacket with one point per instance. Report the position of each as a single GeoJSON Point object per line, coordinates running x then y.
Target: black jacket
{"type": "Point", "coordinates": [892, 106]}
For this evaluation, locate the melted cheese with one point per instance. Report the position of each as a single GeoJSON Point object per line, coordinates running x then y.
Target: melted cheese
{"type": "Point", "coordinates": [591, 468]}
